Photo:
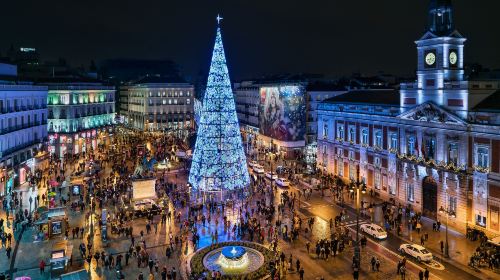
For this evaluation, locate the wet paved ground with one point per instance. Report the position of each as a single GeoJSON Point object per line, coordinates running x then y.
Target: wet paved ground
{"type": "Point", "coordinates": [28, 254]}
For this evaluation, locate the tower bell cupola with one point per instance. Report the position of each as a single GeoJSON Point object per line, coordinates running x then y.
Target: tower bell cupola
{"type": "Point", "coordinates": [441, 17]}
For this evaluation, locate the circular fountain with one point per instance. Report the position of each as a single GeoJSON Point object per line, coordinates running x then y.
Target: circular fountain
{"type": "Point", "coordinates": [233, 258]}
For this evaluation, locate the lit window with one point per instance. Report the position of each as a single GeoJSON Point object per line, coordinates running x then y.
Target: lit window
{"type": "Point", "coordinates": [410, 192]}
{"type": "Point", "coordinates": [352, 171]}
{"type": "Point", "coordinates": [364, 138]}
{"type": "Point", "coordinates": [480, 220]}
{"type": "Point", "coordinates": [352, 134]}
{"type": "Point", "coordinates": [394, 141]}
{"type": "Point", "coordinates": [175, 101]}
{"type": "Point", "coordinates": [180, 93]}
{"type": "Point", "coordinates": [410, 149]}
{"type": "Point", "coordinates": [340, 167]}
{"type": "Point", "coordinates": [164, 101]}
{"type": "Point", "coordinates": [352, 155]}
{"type": "Point", "coordinates": [378, 138]}
{"type": "Point", "coordinates": [452, 204]}
{"type": "Point", "coordinates": [453, 153]}
{"type": "Point", "coordinates": [325, 131]}
{"type": "Point", "coordinates": [340, 162]}
{"type": "Point", "coordinates": [377, 180]}
{"type": "Point", "coordinates": [482, 156]}
{"type": "Point", "coordinates": [340, 131]}
{"type": "Point", "coordinates": [188, 101]}
{"type": "Point", "coordinates": [188, 93]}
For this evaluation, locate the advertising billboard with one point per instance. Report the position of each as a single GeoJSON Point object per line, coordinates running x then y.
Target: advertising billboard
{"type": "Point", "coordinates": [282, 114]}
{"type": "Point", "coordinates": [143, 189]}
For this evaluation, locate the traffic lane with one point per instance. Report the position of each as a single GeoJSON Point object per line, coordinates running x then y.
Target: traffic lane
{"type": "Point", "coordinates": [392, 243]}
{"type": "Point", "coordinates": [325, 214]}
{"type": "Point", "coordinates": [375, 246]}
{"type": "Point", "coordinates": [388, 247]}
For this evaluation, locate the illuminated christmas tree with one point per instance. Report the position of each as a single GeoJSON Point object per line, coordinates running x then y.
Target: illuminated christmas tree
{"type": "Point", "coordinates": [219, 162]}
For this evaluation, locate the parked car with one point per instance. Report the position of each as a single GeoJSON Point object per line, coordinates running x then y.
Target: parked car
{"type": "Point", "coordinates": [252, 163]}
{"type": "Point", "coordinates": [282, 182]}
{"type": "Point", "coordinates": [373, 230]}
{"type": "Point", "coordinates": [416, 251]}
{"type": "Point", "coordinates": [259, 169]}
{"type": "Point", "coordinates": [271, 177]}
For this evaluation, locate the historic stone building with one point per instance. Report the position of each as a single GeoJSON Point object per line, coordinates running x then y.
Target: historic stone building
{"type": "Point", "coordinates": [434, 143]}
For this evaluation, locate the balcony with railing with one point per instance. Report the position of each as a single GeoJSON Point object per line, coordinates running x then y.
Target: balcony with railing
{"type": "Point", "coordinates": [14, 128]}
{"type": "Point", "coordinates": [19, 147]}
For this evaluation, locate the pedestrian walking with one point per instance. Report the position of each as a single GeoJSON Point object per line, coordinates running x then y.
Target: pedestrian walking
{"type": "Point", "coordinates": [426, 274]}
{"type": "Point", "coordinates": [42, 267]}
{"type": "Point", "coordinates": [403, 273]}
{"type": "Point", "coordinates": [7, 251]}
{"type": "Point", "coordinates": [301, 273]}
{"type": "Point", "coordinates": [355, 273]}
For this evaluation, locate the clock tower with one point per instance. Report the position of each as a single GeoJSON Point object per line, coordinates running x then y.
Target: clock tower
{"type": "Point", "coordinates": [440, 66]}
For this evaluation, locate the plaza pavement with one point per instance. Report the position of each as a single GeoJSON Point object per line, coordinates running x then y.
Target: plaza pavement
{"type": "Point", "coordinates": [28, 254]}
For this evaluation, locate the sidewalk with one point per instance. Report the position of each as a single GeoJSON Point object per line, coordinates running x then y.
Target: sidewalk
{"type": "Point", "coordinates": [25, 193]}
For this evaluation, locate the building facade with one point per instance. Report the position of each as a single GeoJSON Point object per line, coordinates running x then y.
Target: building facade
{"type": "Point", "coordinates": [23, 131]}
{"type": "Point", "coordinates": [80, 116]}
{"type": "Point", "coordinates": [251, 103]}
{"type": "Point", "coordinates": [434, 145]}
{"type": "Point", "coordinates": [247, 100]}
{"type": "Point", "coordinates": [155, 105]}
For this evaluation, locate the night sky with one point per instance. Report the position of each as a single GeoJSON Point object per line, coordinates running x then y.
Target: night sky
{"type": "Point", "coordinates": [330, 37]}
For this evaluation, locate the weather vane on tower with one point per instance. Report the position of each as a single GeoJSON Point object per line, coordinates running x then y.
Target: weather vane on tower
{"type": "Point", "coordinates": [219, 18]}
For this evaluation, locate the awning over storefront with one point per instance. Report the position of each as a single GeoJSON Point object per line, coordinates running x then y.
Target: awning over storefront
{"type": "Point", "coordinates": [56, 212]}
{"type": "Point", "coordinates": [76, 275]}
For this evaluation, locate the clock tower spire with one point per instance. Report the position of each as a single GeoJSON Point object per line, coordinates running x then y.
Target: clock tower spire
{"type": "Point", "coordinates": [441, 17]}
{"type": "Point", "coordinates": [440, 66]}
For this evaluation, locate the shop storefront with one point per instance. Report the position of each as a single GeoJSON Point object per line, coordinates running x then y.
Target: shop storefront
{"type": "Point", "coordinates": [53, 223]}
{"type": "Point", "coordinates": [25, 170]}
{"type": "Point", "coordinates": [59, 257]}
{"type": "Point", "coordinates": [63, 144]}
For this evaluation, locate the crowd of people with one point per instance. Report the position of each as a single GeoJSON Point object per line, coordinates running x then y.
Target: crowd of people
{"type": "Point", "coordinates": [263, 214]}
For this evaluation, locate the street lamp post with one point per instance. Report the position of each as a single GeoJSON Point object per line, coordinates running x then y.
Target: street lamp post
{"type": "Point", "coordinates": [448, 212]}
{"type": "Point", "coordinates": [357, 186]}
{"type": "Point", "coordinates": [91, 216]}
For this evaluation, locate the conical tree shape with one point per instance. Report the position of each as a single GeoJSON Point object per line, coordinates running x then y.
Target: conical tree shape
{"type": "Point", "coordinates": [219, 162]}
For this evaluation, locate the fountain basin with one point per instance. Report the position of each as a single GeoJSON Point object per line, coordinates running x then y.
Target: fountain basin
{"type": "Point", "coordinates": [233, 260]}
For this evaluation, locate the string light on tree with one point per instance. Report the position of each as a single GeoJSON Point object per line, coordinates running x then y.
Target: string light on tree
{"type": "Point", "coordinates": [219, 162]}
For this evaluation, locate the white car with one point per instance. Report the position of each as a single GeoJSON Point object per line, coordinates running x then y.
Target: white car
{"type": "Point", "coordinates": [373, 230]}
{"type": "Point", "coordinates": [259, 169]}
{"type": "Point", "coordinates": [252, 163]}
{"type": "Point", "coordinates": [416, 251]}
{"type": "Point", "coordinates": [271, 177]}
{"type": "Point", "coordinates": [282, 182]}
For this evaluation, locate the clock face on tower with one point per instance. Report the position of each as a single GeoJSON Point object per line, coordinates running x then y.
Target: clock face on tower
{"type": "Point", "coordinates": [430, 59]}
{"type": "Point", "coordinates": [453, 58]}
